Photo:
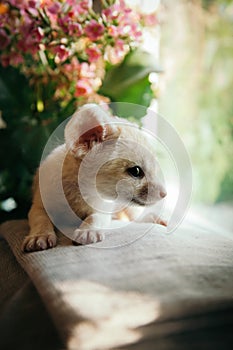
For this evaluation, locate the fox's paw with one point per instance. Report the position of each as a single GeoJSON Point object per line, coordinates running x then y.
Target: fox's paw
{"type": "Point", "coordinates": [87, 236]}
{"type": "Point", "coordinates": [37, 242]}
{"type": "Point", "coordinates": [160, 221]}
{"type": "Point", "coordinates": [153, 218]}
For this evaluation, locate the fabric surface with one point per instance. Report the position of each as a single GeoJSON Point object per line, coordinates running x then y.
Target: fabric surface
{"type": "Point", "coordinates": [159, 292]}
{"type": "Point", "coordinates": [23, 317]}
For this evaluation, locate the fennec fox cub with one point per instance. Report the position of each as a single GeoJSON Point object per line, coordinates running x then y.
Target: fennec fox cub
{"type": "Point", "coordinates": [103, 159]}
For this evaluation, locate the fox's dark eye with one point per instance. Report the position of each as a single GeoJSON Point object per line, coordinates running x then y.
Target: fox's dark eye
{"type": "Point", "coordinates": [136, 172]}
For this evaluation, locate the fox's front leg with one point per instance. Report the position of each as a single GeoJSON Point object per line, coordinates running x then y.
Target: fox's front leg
{"type": "Point", "coordinates": [91, 230]}
{"type": "Point", "coordinates": [41, 235]}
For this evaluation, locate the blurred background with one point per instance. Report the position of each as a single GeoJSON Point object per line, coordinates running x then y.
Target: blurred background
{"type": "Point", "coordinates": [182, 65]}
{"type": "Point", "coordinates": [196, 89]}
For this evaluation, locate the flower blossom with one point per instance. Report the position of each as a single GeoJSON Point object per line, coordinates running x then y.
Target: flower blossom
{"type": "Point", "coordinates": [66, 43]}
{"type": "Point", "coordinates": [69, 26]}
{"type": "Point", "coordinates": [94, 30]}
{"type": "Point", "coordinates": [61, 53]}
{"type": "Point", "coordinates": [83, 88]}
{"type": "Point", "coordinates": [150, 20]}
{"type": "Point", "coordinates": [93, 54]}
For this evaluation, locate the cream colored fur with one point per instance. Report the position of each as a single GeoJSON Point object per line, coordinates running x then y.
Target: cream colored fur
{"type": "Point", "coordinates": [95, 160]}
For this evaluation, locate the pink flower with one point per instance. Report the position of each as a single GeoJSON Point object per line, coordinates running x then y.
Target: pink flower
{"type": "Point", "coordinates": [111, 13]}
{"type": "Point", "coordinates": [87, 70]}
{"type": "Point", "coordinates": [150, 19]}
{"type": "Point", "coordinates": [113, 31]}
{"type": "Point", "coordinates": [135, 32]}
{"type": "Point", "coordinates": [94, 29]}
{"type": "Point", "coordinates": [61, 52]}
{"type": "Point", "coordinates": [120, 45]}
{"type": "Point", "coordinates": [93, 54]}
{"type": "Point", "coordinates": [117, 52]}
{"type": "Point", "coordinates": [119, 9]}
{"type": "Point", "coordinates": [74, 28]}
{"type": "Point", "coordinates": [4, 39]}
{"type": "Point", "coordinates": [80, 7]}
{"type": "Point", "coordinates": [30, 39]}
{"type": "Point", "coordinates": [69, 26]}
{"type": "Point", "coordinates": [31, 8]}
{"type": "Point", "coordinates": [66, 32]}
{"type": "Point", "coordinates": [54, 8]}
{"type": "Point", "coordinates": [16, 59]}
{"type": "Point", "coordinates": [72, 66]}
{"type": "Point", "coordinates": [82, 88]}
{"type": "Point", "coordinates": [84, 5]}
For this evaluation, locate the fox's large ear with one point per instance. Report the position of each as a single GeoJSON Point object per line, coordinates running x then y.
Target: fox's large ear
{"type": "Point", "coordinates": [88, 126]}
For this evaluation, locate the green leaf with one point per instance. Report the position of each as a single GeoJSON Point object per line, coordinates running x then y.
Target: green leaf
{"type": "Point", "coordinates": [129, 82]}
{"type": "Point", "coordinates": [15, 95]}
{"type": "Point", "coordinates": [120, 82]}
{"type": "Point", "coordinates": [136, 94]}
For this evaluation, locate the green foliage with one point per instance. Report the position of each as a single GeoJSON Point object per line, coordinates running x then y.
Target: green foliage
{"type": "Point", "coordinates": [129, 82]}
{"type": "Point", "coordinates": [23, 139]}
